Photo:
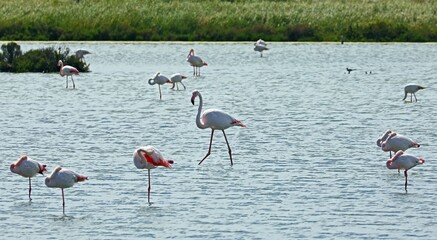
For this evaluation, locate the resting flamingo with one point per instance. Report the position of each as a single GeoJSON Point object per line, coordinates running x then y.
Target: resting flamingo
{"type": "Point", "coordinates": [412, 89]}
{"type": "Point", "coordinates": [160, 80]}
{"type": "Point", "coordinates": [396, 142]}
{"type": "Point", "coordinates": [66, 71]}
{"type": "Point", "coordinates": [149, 157]}
{"type": "Point", "coordinates": [177, 78]}
{"type": "Point", "coordinates": [260, 46]}
{"type": "Point", "coordinates": [214, 119]}
{"type": "Point", "coordinates": [63, 178]}
{"type": "Point", "coordinates": [195, 61]}
{"type": "Point", "coordinates": [404, 161]}
{"type": "Point", "coordinates": [27, 167]}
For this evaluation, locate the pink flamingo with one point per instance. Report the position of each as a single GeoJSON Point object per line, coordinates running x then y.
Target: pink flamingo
{"type": "Point", "coordinates": [404, 161]}
{"type": "Point", "coordinates": [175, 78]}
{"type": "Point", "coordinates": [66, 71]}
{"type": "Point", "coordinates": [27, 167]}
{"type": "Point", "coordinates": [260, 48]}
{"type": "Point", "coordinates": [412, 89]}
{"type": "Point", "coordinates": [160, 80]}
{"type": "Point", "coordinates": [396, 142]}
{"type": "Point", "coordinates": [196, 62]}
{"type": "Point", "coordinates": [149, 157]}
{"type": "Point", "coordinates": [214, 119]}
{"type": "Point", "coordinates": [63, 178]}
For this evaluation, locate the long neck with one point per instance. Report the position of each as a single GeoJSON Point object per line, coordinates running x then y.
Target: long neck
{"type": "Point", "coordinates": [199, 112]}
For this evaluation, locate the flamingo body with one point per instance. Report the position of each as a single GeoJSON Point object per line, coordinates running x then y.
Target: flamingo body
{"type": "Point", "coordinates": [412, 89]}
{"type": "Point", "coordinates": [196, 62]}
{"type": "Point", "coordinates": [81, 53]}
{"type": "Point", "coordinates": [149, 157]}
{"type": "Point", "coordinates": [177, 78]}
{"type": "Point", "coordinates": [396, 142]}
{"type": "Point", "coordinates": [214, 119]}
{"type": "Point", "coordinates": [260, 42]}
{"type": "Point", "coordinates": [63, 178]}
{"type": "Point", "coordinates": [27, 167]}
{"type": "Point", "coordinates": [67, 71]}
{"type": "Point", "coordinates": [405, 162]}
{"type": "Point", "coordinates": [260, 48]}
{"type": "Point", "coordinates": [160, 80]}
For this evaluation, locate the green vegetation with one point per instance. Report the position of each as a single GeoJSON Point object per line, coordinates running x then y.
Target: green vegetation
{"type": "Point", "coordinates": [39, 60]}
{"type": "Point", "coordinates": [215, 20]}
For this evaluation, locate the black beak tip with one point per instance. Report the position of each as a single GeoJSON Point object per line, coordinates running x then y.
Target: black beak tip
{"type": "Point", "coordinates": [192, 101]}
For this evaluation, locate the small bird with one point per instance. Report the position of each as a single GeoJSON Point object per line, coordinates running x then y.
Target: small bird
{"type": "Point", "coordinates": [149, 157]}
{"type": "Point", "coordinates": [81, 53]}
{"type": "Point", "coordinates": [404, 161]}
{"type": "Point", "coordinates": [63, 178]}
{"type": "Point", "coordinates": [27, 167]}
{"type": "Point", "coordinates": [66, 71]}
{"type": "Point", "coordinates": [196, 62]}
{"type": "Point", "coordinates": [412, 89]}
{"type": "Point", "coordinates": [160, 80]}
{"type": "Point", "coordinates": [384, 137]}
{"type": "Point", "coordinates": [349, 70]}
{"type": "Point", "coordinates": [396, 142]}
{"type": "Point", "coordinates": [214, 119]}
{"type": "Point", "coordinates": [177, 78]}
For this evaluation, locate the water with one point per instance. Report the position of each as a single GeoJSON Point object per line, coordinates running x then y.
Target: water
{"type": "Point", "coordinates": [306, 166]}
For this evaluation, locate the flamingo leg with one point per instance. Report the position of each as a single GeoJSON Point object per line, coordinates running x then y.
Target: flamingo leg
{"type": "Point", "coordinates": [74, 86]}
{"type": "Point", "coordinates": [411, 97]}
{"type": "Point", "coordinates": [415, 96]}
{"type": "Point", "coordinates": [184, 86]}
{"type": "Point", "coordinates": [63, 202]}
{"type": "Point", "coordinates": [406, 180]}
{"type": "Point", "coordinates": [194, 71]}
{"type": "Point", "coordinates": [173, 86]}
{"type": "Point", "coordinates": [210, 143]}
{"type": "Point", "coordinates": [390, 154]}
{"type": "Point", "coordinates": [160, 95]}
{"type": "Point", "coordinates": [229, 148]}
{"type": "Point", "coordinates": [66, 81]}
{"type": "Point", "coordinates": [198, 71]}
{"type": "Point", "coordinates": [148, 189]}
{"type": "Point", "coordinates": [177, 86]}
{"type": "Point", "coordinates": [30, 189]}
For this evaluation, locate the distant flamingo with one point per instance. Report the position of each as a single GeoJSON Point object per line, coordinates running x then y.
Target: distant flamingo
{"type": "Point", "coordinates": [396, 142]}
{"type": "Point", "coordinates": [195, 61]}
{"type": "Point", "coordinates": [177, 78]}
{"type": "Point", "coordinates": [66, 71]}
{"type": "Point", "coordinates": [149, 157]}
{"type": "Point", "coordinates": [349, 70]}
{"type": "Point", "coordinates": [260, 42]}
{"type": "Point", "coordinates": [160, 80]}
{"type": "Point", "coordinates": [81, 53]}
{"type": "Point", "coordinates": [404, 161]}
{"type": "Point", "coordinates": [63, 178]}
{"type": "Point", "coordinates": [214, 119]}
{"type": "Point", "coordinates": [27, 167]}
{"type": "Point", "coordinates": [412, 89]}
{"type": "Point", "coordinates": [260, 46]}
{"type": "Point", "coordinates": [384, 137]}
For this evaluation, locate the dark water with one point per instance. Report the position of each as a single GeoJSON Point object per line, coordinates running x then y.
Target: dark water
{"type": "Point", "coordinates": [306, 166]}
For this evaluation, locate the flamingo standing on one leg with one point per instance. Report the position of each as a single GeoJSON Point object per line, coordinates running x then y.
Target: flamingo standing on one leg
{"type": "Point", "coordinates": [260, 46]}
{"type": "Point", "coordinates": [149, 157]}
{"type": "Point", "coordinates": [195, 61]}
{"type": "Point", "coordinates": [177, 78]}
{"type": "Point", "coordinates": [396, 142]}
{"type": "Point", "coordinates": [412, 89]}
{"type": "Point", "coordinates": [66, 71]}
{"type": "Point", "coordinates": [27, 167]}
{"type": "Point", "coordinates": [214, 119]}
{"type": "Point", "coordinates": [160, 80]}
{"type": "Point", "coordinates": [63, 178]}
{"type": "Point", "coordinates": [404, 161]}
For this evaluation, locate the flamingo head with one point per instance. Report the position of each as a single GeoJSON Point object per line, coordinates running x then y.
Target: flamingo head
{"type": "Point", "coordinates": [60, 63]}
{"type": "Point", "coordinates": [195, 94]}
{"type": "Point", "coordinates": [420, 161]}
{"type": "Point", "coordinates": [191, 53]}
{"type": "Point", "coordinates": [183, 77]}
{"type": "Point", "coordinates": [205, 64]}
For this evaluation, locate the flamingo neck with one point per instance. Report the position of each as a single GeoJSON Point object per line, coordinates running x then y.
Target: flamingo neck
{"type": "Point", "coordinates": [199, 112]}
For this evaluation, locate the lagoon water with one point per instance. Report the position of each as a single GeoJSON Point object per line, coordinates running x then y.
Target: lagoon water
{"type": "Point", "coordinates": [306, 166]}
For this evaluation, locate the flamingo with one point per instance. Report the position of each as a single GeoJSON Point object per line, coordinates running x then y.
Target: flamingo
{"type": "Point", "coordinates": [196, 62]}
{"type": "Point", "coordinates": [384, 137]}
{"type": "Point", "coordinates": [66, 71]}
{"type": "Point", "coordinates": [396, 142]}
{"type": "Point", "coordinates": [412, 89]}
{"type": "Point", "coordinates": [175, 78]}
{"type": "Point", "coordinates": [149, 157]}
{"type": "Point", "coordinates": [349, 70]}
{"type": "Point", "coordinates": [214, 119]}
{"type": "Point", "coordinates": [404, 161]}
{"type": "Point", "coordinates": [27, 167]}
{"type": "Point", "coordinates": [63, 178]}
{"type": "Point", "coordinates": [260, 42]}
{"type": "Point", "coordinates": [160, 80]}
{"type": "Point", "coordinates": [260, 48]}
{"type": "Point", "coordinates": [81, 53]}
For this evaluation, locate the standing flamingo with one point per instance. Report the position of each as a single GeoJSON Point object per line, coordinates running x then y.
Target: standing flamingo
{"type": "Point", "coordinates": [149, 157]}
{"type": "Point", "coordinates": [214, 119]}
{"type": "Point", "coordinates": [177, 78]}
{"type": "Point", "coordinates": [63, 178]}
{"type": "Point", "coordinates": [66, 71]}
{"type": "Point", "coordinates": [412, 89]}
{"type": "Point", "coordinates": [160, 80]}
{"type": "Point", "coordinates": [260, 46]}
{"type": "Point", "coordinates": [396, 142]}
{"type": "Point", "coordinates": [384, 137]}
{"type": "Point", "coordinates": [27, 167]}
{"type": "Point", "coordinates": [81, 53]}
{"type": "Point", "coordinates": [404, 161]}
{"type": "Point", "coordinates": [196, 62]}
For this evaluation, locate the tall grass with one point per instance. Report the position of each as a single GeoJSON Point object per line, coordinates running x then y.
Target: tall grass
{"type": "Point", "coordinates": [214, 20]}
